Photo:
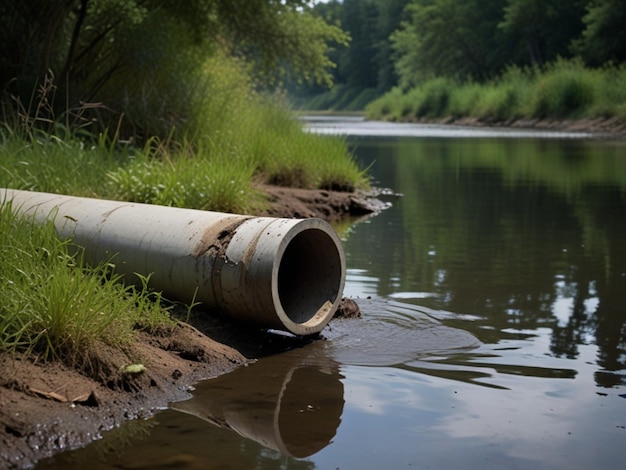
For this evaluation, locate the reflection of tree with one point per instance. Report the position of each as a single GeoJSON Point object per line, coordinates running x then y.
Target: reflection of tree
{"type": "Point", "coordinates": [607, 216]}
{"type": "Point", "coordinates": [506, 229]}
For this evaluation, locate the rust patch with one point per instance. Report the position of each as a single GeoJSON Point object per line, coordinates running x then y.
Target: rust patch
{"type": "Point", "coordinates": [252, 246]}
{"type": "Point", "coordinates": [216, 238]}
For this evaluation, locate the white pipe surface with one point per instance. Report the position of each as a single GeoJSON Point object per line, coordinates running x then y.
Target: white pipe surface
{"type": "Point", "coordinates": [287, 274]}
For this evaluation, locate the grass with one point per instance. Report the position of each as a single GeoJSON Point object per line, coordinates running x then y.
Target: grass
{"type": "Point", "coordinates": [197, 183]}
{"type": "Point", "coordinates": [207, 151]}
{"type": "Point", "coordinates": [216, 172]}
{"type": "Point", "coordinates": [54, 307]}
{"type": "Point", "coordinates": [563, 90]}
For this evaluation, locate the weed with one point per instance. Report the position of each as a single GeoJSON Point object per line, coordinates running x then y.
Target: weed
{"type": "Point", "coordinates": [55, 307]}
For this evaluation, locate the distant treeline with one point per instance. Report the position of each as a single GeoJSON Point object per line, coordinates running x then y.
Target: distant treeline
{"type": "Point", "coordinates": [406, 43]}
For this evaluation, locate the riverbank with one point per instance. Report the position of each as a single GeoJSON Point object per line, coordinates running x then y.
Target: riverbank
{"type": "Point", "coordinates": [611, 127]}
{"type": "Point", "coordinates": [562, 95]}
{"type": "Point", "coordinates": [46, 408]}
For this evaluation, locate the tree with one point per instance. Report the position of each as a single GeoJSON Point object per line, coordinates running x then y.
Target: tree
{"type": "Point", "coordinates": [546, 27]}
{"type": "Point", "coordinates": [359, 20]}
{"type": "Point", "coordinates": [112, 51]}
{"type": "Point", "coordinates": [451, 38]}
{"type": "Point", "coordinates": [604, 37]}
{"type": "Point", "coordinates": [368, 62]}
{"type": "Point", "coordinates": [389, 19]}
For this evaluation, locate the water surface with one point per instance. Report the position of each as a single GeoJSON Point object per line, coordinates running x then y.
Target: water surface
{"type": "Point", "coordinates": [493, 331]}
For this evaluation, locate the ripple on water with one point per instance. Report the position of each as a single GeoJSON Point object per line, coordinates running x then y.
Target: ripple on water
{"type": "Point", "coordinates": [390, 333]}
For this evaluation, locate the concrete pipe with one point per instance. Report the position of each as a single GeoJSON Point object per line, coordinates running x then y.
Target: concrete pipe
{"type": "Point", "coordinates": [286, 274]}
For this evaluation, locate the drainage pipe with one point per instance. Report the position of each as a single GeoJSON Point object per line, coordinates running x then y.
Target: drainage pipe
{"type": "Point", "coordinates": [286, 274]}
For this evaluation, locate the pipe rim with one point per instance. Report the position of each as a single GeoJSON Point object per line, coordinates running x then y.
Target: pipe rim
{"type": "Point", "coordinates": [305, 299]}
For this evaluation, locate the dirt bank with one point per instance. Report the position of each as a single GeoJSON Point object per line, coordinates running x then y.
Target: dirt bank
{"type": "Point", "coordinates": [47, 408]}
{"type": "Point", "coordinates": [603, 127]}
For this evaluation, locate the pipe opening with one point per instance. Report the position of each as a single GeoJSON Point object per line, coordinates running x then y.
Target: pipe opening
{"type": "Point", "coordinates": [309, 275]}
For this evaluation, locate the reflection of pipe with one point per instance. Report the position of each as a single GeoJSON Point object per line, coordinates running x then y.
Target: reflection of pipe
{"type": "Point", "coordinates": [281, 273]}
{"type": "Point", "coordinates": [291, 406]}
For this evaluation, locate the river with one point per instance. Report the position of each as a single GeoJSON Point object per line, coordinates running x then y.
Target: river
{"type": "Point", "coordinates": [493, 331]}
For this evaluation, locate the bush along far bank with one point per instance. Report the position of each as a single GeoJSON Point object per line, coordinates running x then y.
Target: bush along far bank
{"type": "Point", "coordinates": [565, 90]}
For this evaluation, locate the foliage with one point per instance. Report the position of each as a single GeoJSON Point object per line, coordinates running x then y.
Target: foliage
{"type": "Point", "coordinates": [545, 27]}
{"type": "Point", "coordinates": [368, 64]}
{"type": "Point", "coordinates": [604, 38]}
{"type": "Point", "coordinates": [121, 56]}
{"type": "Point", "coordinates": [449, 38]}
{"type": "Point", "coordinates": [473, 41]}
{"type": "Point", "coordinates": [233, 137]}
{"type": "Point", "coordinates": [565, 89]}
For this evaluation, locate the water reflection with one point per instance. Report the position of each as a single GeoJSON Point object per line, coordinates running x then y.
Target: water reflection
{"type": "Point", "coordinates": [291, 403]}
{"type": "Point", "coordinates": [525, 234]}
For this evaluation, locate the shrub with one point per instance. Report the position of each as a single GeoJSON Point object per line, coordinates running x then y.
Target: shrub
{"type": "Point", "coordinates": [564, 90]}
{"type": "Point", "coordinates": [435, 97]}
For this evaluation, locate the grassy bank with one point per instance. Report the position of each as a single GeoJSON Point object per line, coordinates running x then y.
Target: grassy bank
{"type": "Point", "coordinates": [56, 308]}
{"type": "Point", "coordinates": [564, 90]}
{"type": "Point", "coordinates": [51, 305]}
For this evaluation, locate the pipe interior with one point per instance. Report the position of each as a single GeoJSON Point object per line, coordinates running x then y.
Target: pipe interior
{"type": "Point", "coordinates": [309, 275]}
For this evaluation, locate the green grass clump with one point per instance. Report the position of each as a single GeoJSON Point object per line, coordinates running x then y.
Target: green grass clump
{"type": "Point", "coordinates": [283, 154]}
{"type": "Point", "coordinates": [196, 182]}
{"type": "Point", "coordinates": [566, 89]}
{"type": "Point", "coordinates": [434, 98]}
{"type": "Point", "coordinates": [56, 308]}
{"type": "Point", "coordinates": [388, 106]}
{"type": "Point", "coordinates": [49, 164]}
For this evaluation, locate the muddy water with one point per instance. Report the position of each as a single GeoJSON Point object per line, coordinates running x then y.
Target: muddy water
{"type": "Point", "coordinates": [493, 330]}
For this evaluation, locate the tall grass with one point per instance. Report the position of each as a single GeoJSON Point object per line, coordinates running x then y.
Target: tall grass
{"type": "Point", "coordinates": [198, 181]}
{"type": "Point", "coordinates": [285, 155]}
{"type": "Point", "coordinates": [50, 164]}
{"type": "Point", "coordinates": [563, 90]}
{"type": "Point", "coordinates": [226, 139]}
{"type": "Point", "coordinates": [235, 137]}
{"type": "Point", "coordinates": [54, 307]}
